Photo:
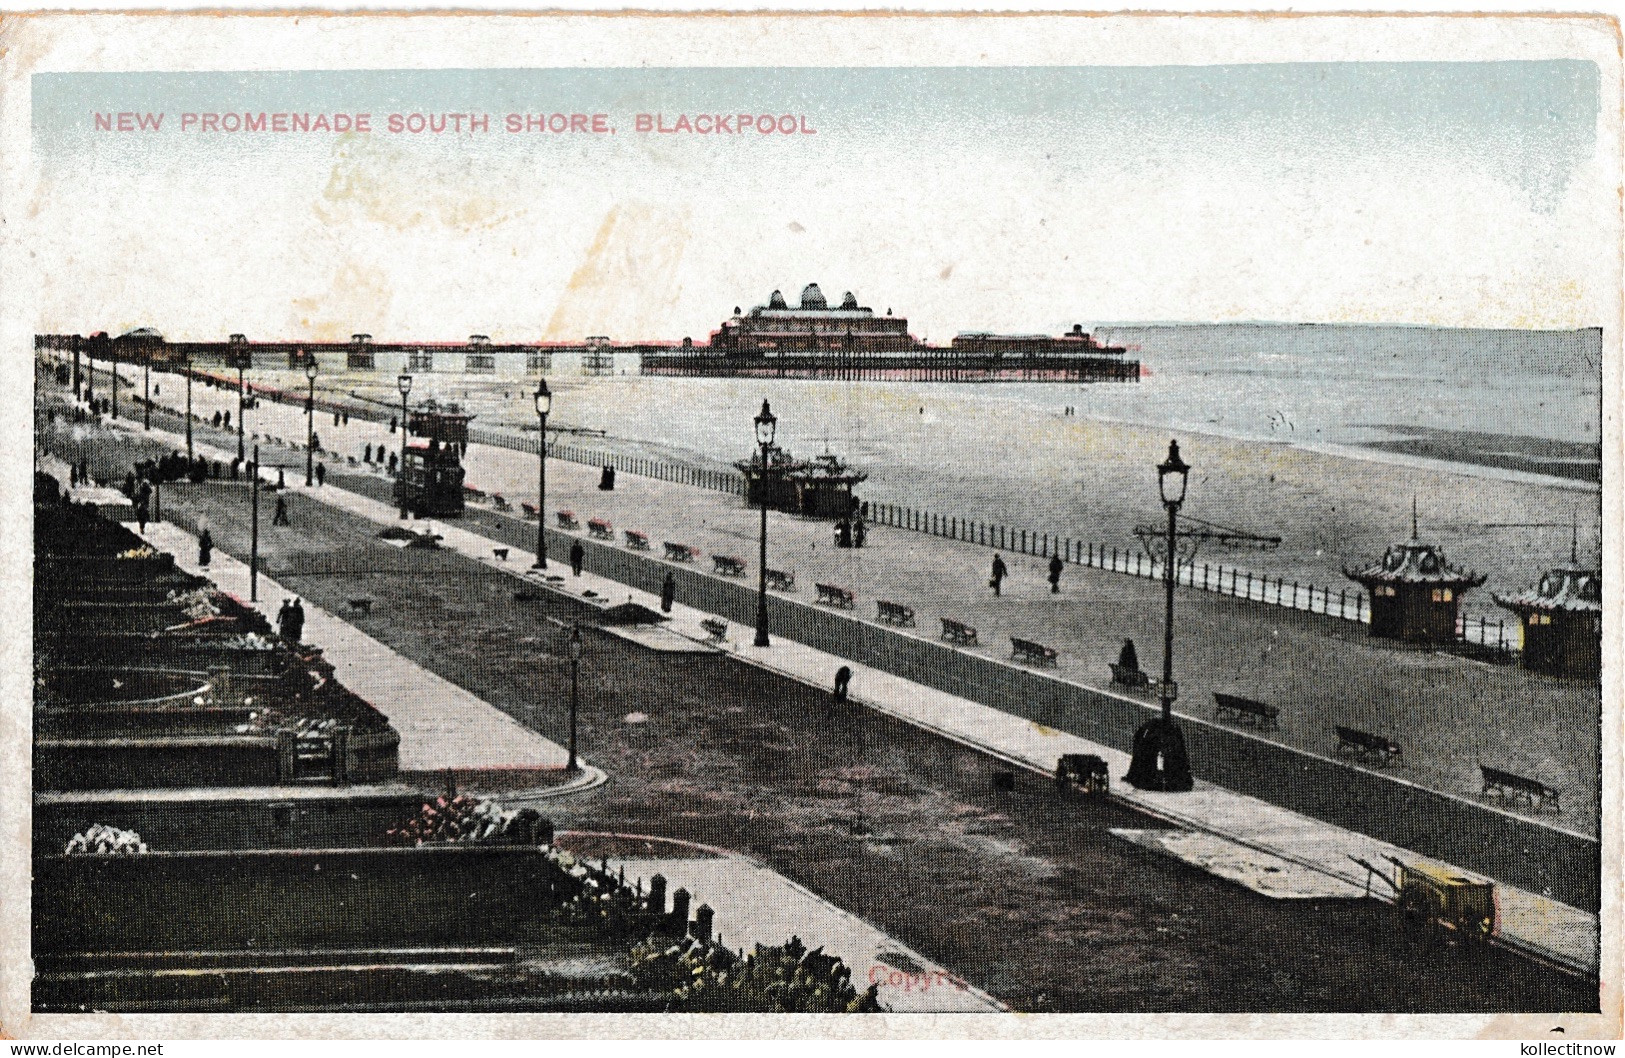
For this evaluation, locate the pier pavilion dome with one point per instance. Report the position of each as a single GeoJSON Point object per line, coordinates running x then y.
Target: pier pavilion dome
{"type": "Point", "coordinates": [812, 297]}
{"type": "Point", "coordinates": [849, 303]}
{"type": "Point", "coordinates": [776, 301]}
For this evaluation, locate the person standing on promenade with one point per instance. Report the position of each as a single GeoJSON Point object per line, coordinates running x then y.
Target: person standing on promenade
{"type": "Point", "coordinates": [999, 573]}
{"type": "Point", "coordinates": [668, 593]}
{"type": "Point", "coordinates": [578, 557]}
{"type": "Point", "coordinates": [321, 474]}
{"type": "Point", "coordinates": [281, 515]}
{"type": "Point", "coordinates": [1128, 659]}
{"type": "Point", "coordinates": [205, 548]}
{"type": "Point", "coordinates": [843, 678]}
{"type": "Point", "coordinates": [1055, 567]}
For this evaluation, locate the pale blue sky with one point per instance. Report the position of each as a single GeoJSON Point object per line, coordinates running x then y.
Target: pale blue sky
{"type": "Point", "coordinates": [1011, 198]}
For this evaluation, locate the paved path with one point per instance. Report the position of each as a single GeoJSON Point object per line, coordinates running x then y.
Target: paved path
{"type": "Point", "coordinates": [441, 725]}
{"type": "Point", "coordinates": [1528, 920]}
{"type": "Point", "coordinates": [1448, 712]}
{"type": "Point", "coordinates": [754, 904]}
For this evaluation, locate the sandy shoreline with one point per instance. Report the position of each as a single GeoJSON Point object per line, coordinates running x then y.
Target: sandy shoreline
{"type": "Point", "coordinates": [958, 452]}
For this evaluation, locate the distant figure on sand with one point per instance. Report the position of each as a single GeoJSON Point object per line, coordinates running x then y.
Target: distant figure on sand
{"type": "Point", "coordinates": [1055, 567]}
{"type": "Point", "coordinates": [999, 573]}
{"type": "Point", "coordinates": [668, 593]}
{"type": "Point", "coordinates": [578, 557]}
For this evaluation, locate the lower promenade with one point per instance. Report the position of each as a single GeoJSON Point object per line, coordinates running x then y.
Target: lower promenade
{"type": "Point", "coordinates": [712, 791]}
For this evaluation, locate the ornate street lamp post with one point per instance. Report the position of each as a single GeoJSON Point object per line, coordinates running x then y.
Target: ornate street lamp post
{"type": "Point", "coordinates": [1160, 761]}
{"type": "Point", "coordinates": [575, 692]}
{"type": "Point", "coordinates": [254, 530]}
{"type": "Point", "coordinates": [404, 382]}
{"type": "Point", "coordinates": [188, 368]}
{"type": "Point", "coordinates": [766, 426]}
{"type": "Point", "coordinates": [146, 392]}
{"type": "Point", "coordinates": [544, 404]}
{"type": "Point", "coordinates": [310, 418]}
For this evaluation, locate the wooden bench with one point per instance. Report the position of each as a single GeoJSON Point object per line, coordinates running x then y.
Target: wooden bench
{"type": "Point", "coordinates": [530, 511]}
{"type": "Point", "coordinates": [1510, 787]}
{"type": "Point", "coordinates": [780, 580]}
{"type": "Point", "coordinates": [1244, 711]}
{"type": "Point", "coordinates": [894, 613]}
{"type": "Point", "coordinates": [637, 541]}
{"type": "Point", "coordinates": [728, 565]}
{"type": "Point", "coordinates": [567, 520]}
{"type": "Point", "coordinates": [600, 529]}
{"type": "Point", "coordinates": [361, 606]}
{"type": "Point", "coordinates": [500, 502]}
{"type": "Point", "coordinates": [958, 632]}
{"type": "Point", "coordinates": [836, 596]}
{"type": "Point", "coordinates": [1133, 679]}
{"type": "Point", "coordinates": [501, 553]}
{"type": "Point", "coordinates": [473, 494]}
{"type": "Point", "coordinates": [715, 628]}
{"type": "Point", "coordinates": [1373, 749]}
{"type": "Point", "coordinates": [681, 552]}
{"type": "Point", "coordinates": [1028, 651]}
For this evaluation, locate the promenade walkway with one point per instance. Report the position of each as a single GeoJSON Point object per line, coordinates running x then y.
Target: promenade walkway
{"type": "Point", "coordinates": [908, 568]}
{"type": "Point", "coordinates": [1449, 713]}
{"type": "Point", "coordinates": [1261, 839]}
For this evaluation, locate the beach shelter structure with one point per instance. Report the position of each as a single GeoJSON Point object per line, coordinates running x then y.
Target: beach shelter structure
{"type": "Point", "coordinates": [1561, 621]}
{"type": "Point", "coordinates": [1415, 593]}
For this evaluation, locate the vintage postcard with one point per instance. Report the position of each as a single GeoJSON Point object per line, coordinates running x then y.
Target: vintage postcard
{"type": "Point", "coordinates": [905, 525]}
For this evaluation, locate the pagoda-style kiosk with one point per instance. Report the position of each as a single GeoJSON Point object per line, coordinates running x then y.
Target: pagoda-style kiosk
{"type": "Point", "coordinates": [1415, 593]}
{"type": "Point", "coordinates": [1561, 619]}
{"type": "Point", "coordinates": [817, 488]}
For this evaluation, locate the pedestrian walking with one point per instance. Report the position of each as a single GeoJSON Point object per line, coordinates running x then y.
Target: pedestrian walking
{"type": "Point", "coordinates": [843, 677]}
{"type": "Point", "coordinates": [321, 474]}
{"type": "Point", "coordinates": [281, 515]}
{"type": "Point", "coordinates": [282, 618]}
{"type": "Point", "coordinates": [1055, 567]}
{"type": "Point", "coordinates": [296, 621]}
{"type": "Point", "coordinates": [366, 455]}
{"type": "Point", "coordinates": [281, 479]}
{"type": "Point", "coordinates": [668, 593]}
{"type": "Point", "coordinates": [205, 548]}
{"type": "Point", "coordinates": [999, 573]}
{"type": "Point", "coordinates": [859, 533]}
{"type": "Point", "coordinates": [578, 557]}
{"type": "Point", "coordinates": [142, 512]}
